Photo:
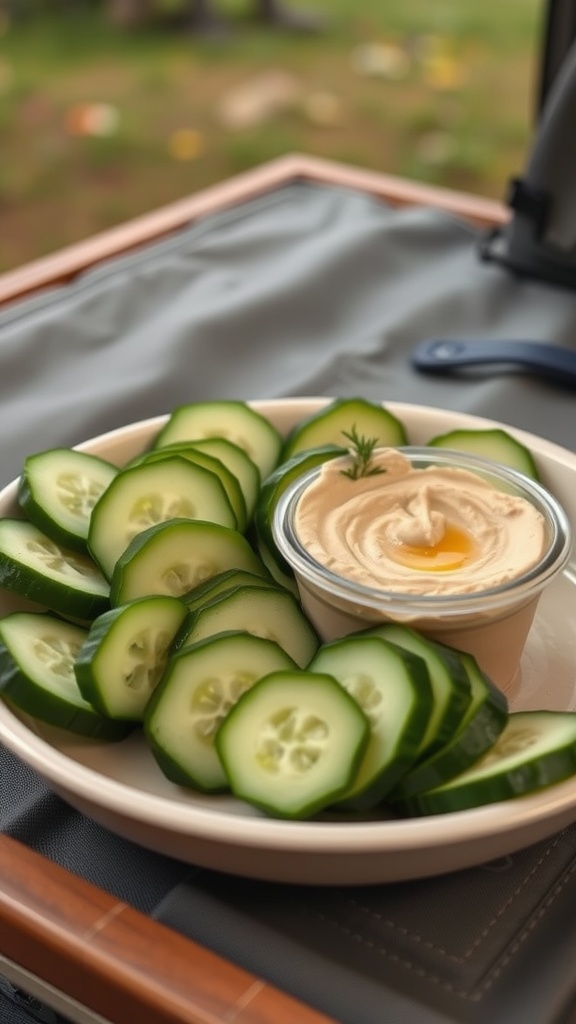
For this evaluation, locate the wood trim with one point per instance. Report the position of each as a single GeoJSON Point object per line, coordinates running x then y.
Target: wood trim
{"type": "Point", "coordinates": [480, 211]}
{"type": "Point", "coordinates": [118, 962]}
{"type": "Point", "coordinates": [67, 263]}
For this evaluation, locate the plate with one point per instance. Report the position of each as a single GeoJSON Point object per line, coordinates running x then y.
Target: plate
{"type": "Point", "coordinates": [121, 787]}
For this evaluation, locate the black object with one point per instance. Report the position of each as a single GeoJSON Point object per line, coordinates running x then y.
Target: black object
{"type": "Point", "coordinates": [443, 355]}
{"type": "Point", "coordinates": [540, 239]}
{"type": "Point", "coordinates": [558, 35]}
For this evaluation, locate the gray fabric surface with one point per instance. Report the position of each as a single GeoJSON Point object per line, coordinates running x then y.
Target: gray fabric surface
{"type": "Point", "coordinates": [309, 290]}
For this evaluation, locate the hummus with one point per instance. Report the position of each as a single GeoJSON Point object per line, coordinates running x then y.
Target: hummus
{"type": "Point", "coordinates": [432, 531]}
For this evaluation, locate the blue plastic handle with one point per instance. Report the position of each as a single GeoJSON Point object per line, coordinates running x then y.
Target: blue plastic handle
{"type": "Point", "coordinates": [442, 355]}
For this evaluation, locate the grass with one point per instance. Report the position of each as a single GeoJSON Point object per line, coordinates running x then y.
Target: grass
{"type": "Point", "coordinates": [451, 102]}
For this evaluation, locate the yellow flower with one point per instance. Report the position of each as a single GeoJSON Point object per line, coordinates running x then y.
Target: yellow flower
{"type": "Point", "coordinates": [186, 144]}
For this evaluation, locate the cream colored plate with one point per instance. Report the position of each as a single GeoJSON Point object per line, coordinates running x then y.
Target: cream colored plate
{"type": "Point", "coordinates": [120, 786]}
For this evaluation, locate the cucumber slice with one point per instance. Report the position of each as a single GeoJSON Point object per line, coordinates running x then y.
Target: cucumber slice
{"type": "Point", "coordinates": [200, 458]}
{"type": "Point", "coordinates": [261, 611]}
{"type": "Point", "coordinates": [392, 687]}
{"type": "Point", "coordinates": [334, 421]}
{"type": "Point", "coordinates": [235, 421]}
{"type": "Point", "coordinates": [239, 463]}
{"type": "Point", "coordinates": [37, 654]}
{"type": "Point", "coordinates": [275, 485]}
{"type": "Point", "coordinates": [149, 494]}
{"type": "Point", "coordinates": [36, 567]}
{"type": "Point", "coordinates": [173, 557]}
{"type": "Point", "coordinates": [449, 680]}
{"type": "Point", "coordinates": [536, 749]}
{"type": "Point", "coordinates": [481, 726]}
{"type": "Point", "coordinates": [495, 444]}
{"type": "Point", "coordinates": [125, 653]}
{"type": "Point", "coordinates": [291, 745]}
{"type": "Point", "coordinates": [58, 489]}
{"type": "Point", "coordinates": [284, 579]}
{"type": "Point", "coordinates": [223, 582]}
{"type": "Point", "coordinates": [200, 686]}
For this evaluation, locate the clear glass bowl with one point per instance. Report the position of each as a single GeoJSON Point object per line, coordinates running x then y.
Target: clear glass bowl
{"type": "Point", "coordinates": [492, 623]}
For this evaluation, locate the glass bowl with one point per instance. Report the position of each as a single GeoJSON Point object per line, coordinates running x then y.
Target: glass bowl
{"type": "Point", "coordinates": [460, 602]}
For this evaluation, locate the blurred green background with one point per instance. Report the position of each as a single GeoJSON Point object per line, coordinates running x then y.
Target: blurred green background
{"type": "Point", "coordinates": [100, 122]}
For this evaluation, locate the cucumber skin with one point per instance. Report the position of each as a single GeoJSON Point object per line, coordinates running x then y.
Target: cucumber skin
{"type": "Point", "coordinates": [491, 440]}
{"type": "Point", "coordinates": [461, 691]}
{"type": "Point", "coordinates": [71, 602]}
{"type": "Point", "coordinates": [285, 580]}
{"type": "Point", "coordinates": [249, 561]}
{"type": "Point", "coordinates": [407, 744]}
{"type": "Point", "coordinates": [292, 446]}
{"type": "Point", "coordinates": [275, 484]}
{"type": "Point", "coordinates": [26, 695]}
{"type": "Point", "coordinates": [202, 459]}
{"type": "Point", "coordinates": [477, 733]}
{"type": "Point", "coordinates": [247, 474]}
{"type": "Point", "coordinates": [173, 771]}
{"type": "Point", "coordinates": [42, 520]}
{"type": "Point", "coordinates": [544, 770]}
{"type": "Point", "coordinates": [321, 801]}
{"type": "Point", "coordinates": [99, 630]}
{"type": "Point", "coordinates": [168, 764]}
{"type": "Point", "coordinates": [189, 625]}
{"type": "Point", "coordinates": [98, 545]}
{"type": "Point", "coordinates": [221, 583]}
{"type": "Point", "coordinates": [172, 428]}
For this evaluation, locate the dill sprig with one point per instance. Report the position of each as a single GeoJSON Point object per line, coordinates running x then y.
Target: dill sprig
{"type": "Point", "coordinates": [362, 450]}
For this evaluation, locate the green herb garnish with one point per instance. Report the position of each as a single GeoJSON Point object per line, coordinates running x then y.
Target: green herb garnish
{"type": "Point", "coordinates": [362, 450]}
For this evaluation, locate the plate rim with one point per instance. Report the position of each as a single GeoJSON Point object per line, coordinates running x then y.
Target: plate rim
{"type": "Point", "coordinates": [389, 838]}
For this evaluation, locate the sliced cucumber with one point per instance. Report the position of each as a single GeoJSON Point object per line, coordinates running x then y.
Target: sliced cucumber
{"type": "Point", "coordinates": [275, 485]}
{"type": "Point", "coordinates": [332, 424]}
{"type": "Point", "coordinates": [238, 462]}
{"type": "Point", "coordinates": [149, 494]}
{"type": "Point", "coordinates": [232, 420]}
{"type": "Point", "coordinates": [449, 680]}
{"type": "Point", "coordinates": [286, 580]}
{"type": "Point", "coordinates": [483, 722]}
{"type": "Point", "coordinates": [392, 687]}
{"type": "Point", "coordinates": [58, 489]}
{"type": "Point", "coordinates": [274, 614]}
{"type": "Point", "coordinates": [291, 745]}
{"type": "Point", "coordinates": [229, 482]}
{"type": "Point", "coordinates": [37, 655]}
{"type": "Point", "coordinates": [200, 686]}
{"type": "Point", "coordinates": [173, 557]}
{"type": "Point", "coordinates": [536, 749]}
{"type": "Point", "coordinates": [39, 569]}
{"type": "Point", "coordinates": [223, 582]}
{"type": "Point", "coordinates": [495, 444]}
{"type": "Point", "coordinates": [125, 653]}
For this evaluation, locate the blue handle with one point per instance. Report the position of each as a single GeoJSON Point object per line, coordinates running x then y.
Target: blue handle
{"type": "Point", "coordinates": [439, 355]}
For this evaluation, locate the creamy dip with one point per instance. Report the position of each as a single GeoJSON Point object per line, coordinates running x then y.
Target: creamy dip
{"type": "Point", "coordinates": [434, 531]}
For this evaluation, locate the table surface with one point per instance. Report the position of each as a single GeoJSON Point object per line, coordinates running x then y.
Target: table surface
{"type": "Point", "coordinates": [56, 929]}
